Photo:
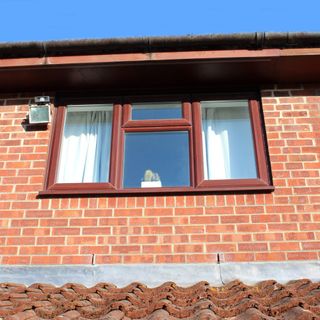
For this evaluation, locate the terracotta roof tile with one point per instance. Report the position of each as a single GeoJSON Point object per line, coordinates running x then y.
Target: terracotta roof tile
{"type": "Point", "coordinates": [267, 300]}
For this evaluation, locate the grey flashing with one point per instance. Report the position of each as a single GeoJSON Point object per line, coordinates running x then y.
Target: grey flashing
{"type": "Point", "coordinates": [156, 274]}
{"type": "Point", "coordinates": [251, 41]}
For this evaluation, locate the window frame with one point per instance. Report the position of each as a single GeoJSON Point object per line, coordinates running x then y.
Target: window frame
{"type": "Point", "coordinates": [190, 121]}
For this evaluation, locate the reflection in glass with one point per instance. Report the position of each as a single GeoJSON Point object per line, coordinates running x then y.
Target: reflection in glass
{"type": "Point", "coordinates": [228, 150]}
{"type": "Point", "coordinates": [156, 111]}
{"type": "Point", "coordinates": [156, 159]}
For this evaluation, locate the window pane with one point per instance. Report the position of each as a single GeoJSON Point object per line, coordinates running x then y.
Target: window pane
{"type": "Point", "coordinates": [156, 111]}
{"type": "Point", "coordinates": [156, 159]}
{"type": "Point", "coordinates": [228, 150]}
{"type": "Point", "coordinates": [85, 150]}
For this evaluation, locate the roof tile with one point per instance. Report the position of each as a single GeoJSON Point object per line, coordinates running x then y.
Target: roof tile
{"type": "Point", "coordinates": [298, 299]}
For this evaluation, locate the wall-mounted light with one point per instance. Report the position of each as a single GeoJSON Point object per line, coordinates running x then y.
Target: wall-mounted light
{"type": "Point", "coordinates": [39, 111]}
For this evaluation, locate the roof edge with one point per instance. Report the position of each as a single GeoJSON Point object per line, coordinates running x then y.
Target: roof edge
{"type": "Point", "coordinates": [249, 41]}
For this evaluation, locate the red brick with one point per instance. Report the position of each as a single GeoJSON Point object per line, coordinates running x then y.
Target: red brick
{"type": "Point", "coordinates": [142, 239]}
{"type": "Point", "coordinates": [158, 230]}
{"type": "Point", "coordinates": [180, 220]}
{"type": "Point", "coordinates": [302, 255]}
{"type": "Point", "coordinates": [284, 246]}
{"type": "Point", "coordinates": [221, 247]}
{"type": "Point", "coordinates": [25, 205]}
{"type": "Point", "coordinates": [252, 247]}
{"type": "Point", "coordinates": [16, 260]}
{"type": "Point", "coordinates": [45, 260]}
{"type": "Point", "coordinates": [251, 227]}
{"type": "Point", "coordinates": [223, 228]}
{"type": "Point", "coordinates": [77, 259]}
{"type": "Point", "coordinates": [8, 250]}
{"type": "Point", "coordinates": [155, 249]}
{"type": "Point", "coordinates": [174, 238]}
{"type": "Point", "coordinates": [66, 231]}
{"type": "Point", "coordinates": [201, 258]}
{"type": "Point", "coordinates": [108, 259]}
{"type": "Point", "coordinates": [24, 223]}
{"type": "Point", "coordinates": [158, 212]}
{"type": "Point", "coordinates": [234, 219]}
{"type": "Point", "coordinates": [138, 259]}
{"type": "Point", "coordinates": [21, 241]}
{"type": "Point", "coordinates": [188, 248]}
{"type": "Point", "coordinates": [115, 221]}
{"type": "Point", "coordinates": [171, 258]}
{"type": "Point", "coordinates": [189, 229]}
{"type": "Point", "coordinates": [96, 230]}
{"type": "Point", "coordinates": [128, 212]}
{"type": "Point", "coordinates": [50, 240]}
{"type": "Point", "coordinates": [270, 256]}
{"type": "Point", "coordinates": [312, 245]}
{"type": "Point", "coordinates": [63, 250]}
{"type": "Point", "coordinates": [67, 213]}
{"type": "Point", "coordinates": [202, 238]}
{"type": "Point", "coordinates": [249, 210]}
{"type": "Point", "coordinates": [270, 236]}
{"type": "Point", "coordinates": [238, 257]}
{"type": "Point", "coordinates": [94, 250]}
{"type": "Point", "coordinates": [83, 222]}
{"type": "Point", "coordinates": [204, 219]}
{"type": "Point", "coordinates": [219, 210]}
{"type": "Point", "coordinates": [282, 226]}
{"type": "Point", "coordinates": [125, 249]}
{"type": "Point", "coordinates": [33, 250]}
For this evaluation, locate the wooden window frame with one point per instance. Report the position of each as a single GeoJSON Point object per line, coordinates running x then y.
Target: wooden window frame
{"type": "Point", "coordinates": [190, 122]}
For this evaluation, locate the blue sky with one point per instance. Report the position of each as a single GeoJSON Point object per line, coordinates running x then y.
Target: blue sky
{"type": "Point", "coordinates": [27, 20]}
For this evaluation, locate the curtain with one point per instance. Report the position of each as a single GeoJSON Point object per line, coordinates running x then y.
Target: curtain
{"type": "Point", "coordinates": [228, 151]}
{"type": "Point", "coordinates": [85, 150]}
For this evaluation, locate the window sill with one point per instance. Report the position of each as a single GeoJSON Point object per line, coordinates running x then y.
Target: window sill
{"type": "Point", "coordinates": [207, 187]}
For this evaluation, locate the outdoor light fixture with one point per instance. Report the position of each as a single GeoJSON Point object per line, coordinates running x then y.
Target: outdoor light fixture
{"type": "Point", "coordinates": [39, 112]}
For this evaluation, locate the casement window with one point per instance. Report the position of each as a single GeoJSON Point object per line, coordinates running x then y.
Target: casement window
{"type": "Point", "coordinates": [158, 146]}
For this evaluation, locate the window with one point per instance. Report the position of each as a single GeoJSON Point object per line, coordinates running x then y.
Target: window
{"type": "Point", "coordinates": [158, 146]}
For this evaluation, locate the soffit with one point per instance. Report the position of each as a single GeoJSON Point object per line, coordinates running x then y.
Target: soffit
{"type": "Point", "coordinates": [185, 70]}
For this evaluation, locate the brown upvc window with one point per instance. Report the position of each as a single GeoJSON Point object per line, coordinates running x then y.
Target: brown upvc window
{"type": "Point", "coordinates": [158, 146]}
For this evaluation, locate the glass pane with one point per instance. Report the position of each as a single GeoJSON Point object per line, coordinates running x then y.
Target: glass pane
{"type": "Point", "coordinates": [228, 150]}
{"type": "Point", "coordinates": [156, 111]}
{"type": "Point", "coordinates": [156, 159]}
{"type": "Point", "coordinates": [85, 149]}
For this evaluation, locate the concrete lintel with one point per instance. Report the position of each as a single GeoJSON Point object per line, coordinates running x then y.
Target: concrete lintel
{"type": "Point", "coordinates": [156, 274]}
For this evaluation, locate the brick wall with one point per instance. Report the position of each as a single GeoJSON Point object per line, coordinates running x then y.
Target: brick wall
{"type": "Point", "coordinates": [283, 225]}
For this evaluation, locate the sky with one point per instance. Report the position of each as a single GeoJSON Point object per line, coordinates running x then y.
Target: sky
{"type": "Point", "coordinates": [42, 20]}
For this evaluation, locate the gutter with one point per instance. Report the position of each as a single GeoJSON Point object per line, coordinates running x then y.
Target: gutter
{"type": "Point", "coordinates": [249, 41]}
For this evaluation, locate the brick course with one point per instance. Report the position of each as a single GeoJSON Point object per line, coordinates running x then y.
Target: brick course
{"type": "Point", "coordinates": [283, 225]}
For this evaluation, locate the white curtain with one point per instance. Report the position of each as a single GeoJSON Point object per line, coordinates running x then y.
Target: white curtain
{"type": "Point", "coordinates": [227, 142]}
{"type": "Point", "coordinates": [85, 149]}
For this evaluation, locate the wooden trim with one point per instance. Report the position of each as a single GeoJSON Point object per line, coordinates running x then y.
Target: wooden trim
{"type": "Point", "coordinates": [187, 111]}
{"type": "Point", "coordinates": [157, 123]}
{"type": "Point", "coordinates": [54, 148]}
{"type": "Point", "coordinates": [239, 54]}
{"type": "Point", "coordinates": [259, 141]}
{"type": "Point", "coordinates": [197, 131]}
{"type": "Point", "coordinates": [141, 192]}
{"type": "Point", "coordinates": [115, 145]}
{"type": "Point", "coordinates": [235, 184]}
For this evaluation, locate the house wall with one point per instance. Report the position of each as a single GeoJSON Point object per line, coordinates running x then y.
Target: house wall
{"type": "Point", "coordinates": [279, 226]}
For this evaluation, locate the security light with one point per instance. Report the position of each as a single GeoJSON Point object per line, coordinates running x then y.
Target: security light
{"type": "Point", "coordinates": [42, 99]}
{"type": "Point", "coordinates": [39, 112]}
